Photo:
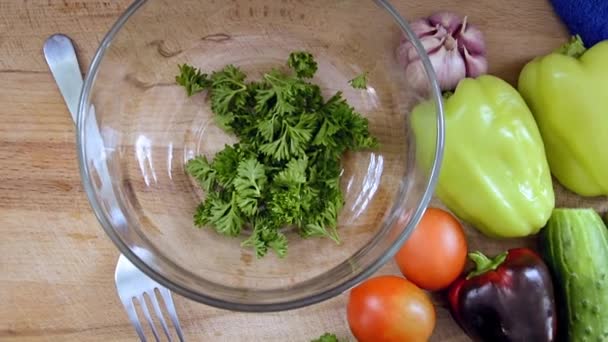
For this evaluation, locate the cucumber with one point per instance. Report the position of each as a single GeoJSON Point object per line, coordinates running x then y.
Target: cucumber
{"type": "Point", "coordinates": [574, 244]}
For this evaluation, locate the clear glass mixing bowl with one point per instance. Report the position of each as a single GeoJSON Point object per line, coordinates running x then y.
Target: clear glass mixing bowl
{"type": "Point", "coordinates": [137, 128]}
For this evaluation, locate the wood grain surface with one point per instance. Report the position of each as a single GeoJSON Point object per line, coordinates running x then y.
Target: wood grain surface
{"type": "Point", "coordinates": [56, 263]}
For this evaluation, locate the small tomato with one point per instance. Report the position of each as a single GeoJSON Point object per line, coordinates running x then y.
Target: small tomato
{"type": "Point", "coordinates": [390, 308]}
{"type": "Point", "coordinates": [436, 252]}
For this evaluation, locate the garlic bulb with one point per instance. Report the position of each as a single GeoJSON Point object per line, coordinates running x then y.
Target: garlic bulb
{"type": "Point", "coordinates": [456, 50]}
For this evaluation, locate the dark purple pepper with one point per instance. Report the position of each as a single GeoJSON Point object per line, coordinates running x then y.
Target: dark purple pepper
{"type": "Point", "coordinates": [506, 299]}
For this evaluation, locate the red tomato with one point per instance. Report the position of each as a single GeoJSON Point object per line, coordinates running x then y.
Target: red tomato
{"type": "Point", "coordinates": [436, 252]}
{"type": "Point", "coordinates": [390, 309]}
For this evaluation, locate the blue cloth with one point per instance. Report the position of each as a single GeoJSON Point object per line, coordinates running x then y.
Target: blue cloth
{"type": "Point", "coordinates": [587, 18]}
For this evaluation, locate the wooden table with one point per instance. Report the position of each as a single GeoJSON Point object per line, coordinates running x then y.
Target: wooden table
{"type": "Point", "coordinates": [56, 263]}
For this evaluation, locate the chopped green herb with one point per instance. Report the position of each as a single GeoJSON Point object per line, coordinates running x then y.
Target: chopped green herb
{"type": "Point", "coordinates": [303, 64]}
{"type": "Point", "coordinates": [192, 79]}
{"type": "Point", "coordinates": [359, 82]}
{"type": "Point", "coordinates": [327, 337]}
{"type": "Point", "coordinates": [285, 170]}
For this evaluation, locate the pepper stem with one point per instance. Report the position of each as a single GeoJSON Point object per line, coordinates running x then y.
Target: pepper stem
{"type": "Point", "coordinates": [484, 264]}
{"type": "Point", "coordinates": [574, 48]}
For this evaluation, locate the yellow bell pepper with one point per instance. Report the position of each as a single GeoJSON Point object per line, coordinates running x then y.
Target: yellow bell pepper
{"type": "Point", "coordinates": [494, 173]}
{"type": "Point", "coordinates": [567, 92]}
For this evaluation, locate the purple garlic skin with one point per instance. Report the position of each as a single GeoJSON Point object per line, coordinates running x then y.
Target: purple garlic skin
{"type": "Point", "coordinates": [455, 48]}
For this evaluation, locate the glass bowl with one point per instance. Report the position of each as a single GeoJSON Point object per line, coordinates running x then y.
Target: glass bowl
{"type": "Point", "coordinates": [137, 128]}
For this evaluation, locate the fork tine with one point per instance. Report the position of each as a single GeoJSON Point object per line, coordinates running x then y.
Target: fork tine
{"type": "Point", "coordinates": [130, 309]}
{"type": "Point", "coordinates": [172, 312]}
{"type": "Point", "coordinates": [159, 314]}
{"type": "Point", "coordinates": [144, 308]}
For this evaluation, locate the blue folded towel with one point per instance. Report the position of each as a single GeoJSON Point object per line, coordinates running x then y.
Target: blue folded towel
{"type": "Point", "coordinates": [587, 18]}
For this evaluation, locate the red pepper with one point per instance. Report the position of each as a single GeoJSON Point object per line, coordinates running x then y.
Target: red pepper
{"type": "Point", "coordinates": [508, 298]}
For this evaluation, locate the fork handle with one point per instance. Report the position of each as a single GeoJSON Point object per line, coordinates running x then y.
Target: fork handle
{"type": "Point", "coordinates": [61, 57]}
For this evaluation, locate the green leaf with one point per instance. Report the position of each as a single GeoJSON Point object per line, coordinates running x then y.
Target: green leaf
{"type": "Point", "coordinates": [302, 63]}
{"type": "Point", "coordinates": [310, 98]}
{"type": "Point", "coordinates": [292, 142]}
{"type": "Point", "coordinates": [265, 99]}
{"type": "Point", "coordinates": [278, 244]}
{"type": "Point", "coordinates": [359, 82]}
{"type": "Point", "coordinates": [228, 94]}
{"type": "Point", "coordinates": [294, 173]}
{"type": "Point", "coordinates": [228, 75]}
{"type": "Point", "coordinates": [249, 184]}
{"type": "Point", "coordinates": [285, 206]}
{"type": "Point", "coordinates": [225, 216]}
{"type": "Point", "coordinates": [225, 99]}
{"type": "Point", "coordinates": [309, 122]}
{"type": "Point", "coordinates": [265, 236]}
{"type": "Point", "coordinates": [326, 172]}
{"type": "Point", "coordinates": [280, 94]}
{"type": "Point", "coordinates": [278, 149]}
{"type": "Point", "coordinates": [327, 337]}
{"type": "Point", "coordinates": [201, 170]}
{"type": "Point", "coordinates": [325, 134]}
{"type": "Point", "coordinates": [352, 129]}
{"type": "Point", "coordinates": [322, 217]}
{"type": "Point", "coordinates": [192, 79]}
{"type": "Point", "coordinates": [225, 164]}
{"type": "Point", "coordinates": [202, 214]}
{"type": "Point", "coordinates": [298, 137]}
{"type": "Point", "coordinates": [225, 121]}
{"type": "Point", "coordinates": [318, 229]}
{"type": "Point", "coordinates": [268, 128]}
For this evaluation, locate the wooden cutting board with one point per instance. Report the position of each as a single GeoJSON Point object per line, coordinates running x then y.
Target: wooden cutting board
{"type": "Point", "coordinates": [57, 265]}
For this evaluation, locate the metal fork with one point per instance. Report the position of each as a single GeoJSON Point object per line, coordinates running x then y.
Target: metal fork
{"type": "Point", "coordinates": [131, 283]}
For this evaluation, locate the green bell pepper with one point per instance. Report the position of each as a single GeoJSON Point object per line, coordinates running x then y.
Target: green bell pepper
{"type": "Point", "coordinates": [494, 173]}
{"type": "Point", "coordinates": [567, 92]}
